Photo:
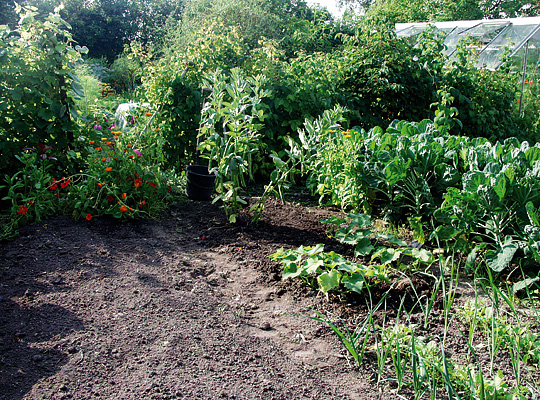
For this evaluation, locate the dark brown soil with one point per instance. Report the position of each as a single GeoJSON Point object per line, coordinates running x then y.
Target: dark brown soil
{"type": "Point", "coordinates": [187, 307]}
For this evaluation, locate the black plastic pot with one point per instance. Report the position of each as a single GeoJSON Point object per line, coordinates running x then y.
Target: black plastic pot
{"type": "Point", "coordinates": [200, 183]}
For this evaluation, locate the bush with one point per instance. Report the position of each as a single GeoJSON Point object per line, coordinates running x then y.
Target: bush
{"type": "Point", "coordinates": [38, 87]}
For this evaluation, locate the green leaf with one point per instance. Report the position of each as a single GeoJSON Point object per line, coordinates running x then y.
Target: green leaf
{"type": "Point", "coordinates": [359, 220]}
{"type": "Point", "coordinates": [329, 280]}
{"type": "Point", "coordinates": [386, 255]}
{"type": "Point", "coordinates": [397, 242]}
{"type": "Point", "coordinates": [363, 247]}
{"type": "Point", "coordinates": [518, 286]}
{"type": "Point", "coordinates": [291, 271]}
{"type": "Point", "coordinates": [313, 266]}
{"type": "Point", "coordinates": [500, 259]}
{"type": "Point", "coordinates": [500, 186]}
{"type": "Point", "coordinates": [423, 255]}
{"type": "Point", "coordinates": [445, 232]}
{"type": "Point", "coordinates": [354, 282]}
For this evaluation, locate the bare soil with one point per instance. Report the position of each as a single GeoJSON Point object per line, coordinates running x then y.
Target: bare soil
{"type": "Point", "coordinates": [188, 307]}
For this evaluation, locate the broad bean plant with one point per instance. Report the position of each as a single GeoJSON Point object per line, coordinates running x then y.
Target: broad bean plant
{"type": "Point", "coordinates": [230, 123]}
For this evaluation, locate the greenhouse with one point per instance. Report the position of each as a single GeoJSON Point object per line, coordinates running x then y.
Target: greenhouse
{"type": "Point", "coordinates": [518, 37]}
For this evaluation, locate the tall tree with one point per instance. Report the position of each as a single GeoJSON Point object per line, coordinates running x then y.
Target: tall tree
{"type": "Point", "coordinates": [106, 26]}
{"type": "Point", "coordinates": [445, 10]}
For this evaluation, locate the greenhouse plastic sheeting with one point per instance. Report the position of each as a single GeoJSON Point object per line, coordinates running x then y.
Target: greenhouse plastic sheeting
{"type": "Point", "coordinates": [494, 38]}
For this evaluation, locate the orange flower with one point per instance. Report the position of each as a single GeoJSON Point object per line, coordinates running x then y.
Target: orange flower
{"type": "Point", "coordinates": [157, 129]}
{"type": "Point", "coordinates": [123, 208]}
{"type": "Point", "coordinates": [132, 156]}
{"type": "Point", "coordinates": [103, 139]}
{"type": "Point", "coordinates": [128, 145]}
{"type": "Point", "coordinates": [108, 169]}
{"type": "Point", "coordinates": [100, 184]}
{"type": "Point", "coordinates": [98, 148]}
{"type": "Point", "coordinates": [148, 114]}
{"type": "Point", "coordinates": [115, 137]}
{"type": "Point", "coordinates": [103, 159]}
{"type": "Point", "coordinates": [91, 142]}
{"type": "Point", "coordinates": [88, 217]}
{"type": "Point", "coordinates": [347, 136]}
{"type": "Point", "coordinates": [124, 195]}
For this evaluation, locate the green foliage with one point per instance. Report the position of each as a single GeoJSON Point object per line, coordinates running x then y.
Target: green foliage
{"type": "Point", "coordinates": [38, 86]}
{"type": "Point", "coordinates": [423, 11]}
{"type": "Point", "coordinates": [230, 123]}
{"type": "Point", "coordinates": [29, 191]}
{"type": "Point", "coordinates": [328, 271]}
{"type": "Point", "coordinates": [122, 177]}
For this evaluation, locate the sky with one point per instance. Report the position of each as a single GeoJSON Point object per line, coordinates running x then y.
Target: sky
{"type": "Point", "coordinates": [330, 6]}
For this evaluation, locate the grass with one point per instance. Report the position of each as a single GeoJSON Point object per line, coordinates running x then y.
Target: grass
{"type": "Point", "coordinates": [412, 359]}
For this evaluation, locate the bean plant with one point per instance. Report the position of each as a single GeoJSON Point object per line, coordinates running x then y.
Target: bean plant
{"type": "Point", "coordinates": [230, 123]}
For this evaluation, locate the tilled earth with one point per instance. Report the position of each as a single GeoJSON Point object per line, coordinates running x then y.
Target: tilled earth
{"type": "Point", "coordinates": [190, 307]}
{"type": "Point", "coordinates": [185, 307]}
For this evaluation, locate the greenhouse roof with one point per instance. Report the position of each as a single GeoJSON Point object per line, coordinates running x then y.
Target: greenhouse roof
{"type": "Point", "coordinates": [495, 36]}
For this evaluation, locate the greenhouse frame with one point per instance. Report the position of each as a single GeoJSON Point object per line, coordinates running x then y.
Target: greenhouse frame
{"type": "Point", "coordinates": [518, 37]}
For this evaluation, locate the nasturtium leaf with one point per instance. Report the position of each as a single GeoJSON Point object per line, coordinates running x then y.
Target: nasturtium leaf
{"type": "Point", "coordinates": [329, 280]}
{"type": "Point", "coordinates": [355, 282]}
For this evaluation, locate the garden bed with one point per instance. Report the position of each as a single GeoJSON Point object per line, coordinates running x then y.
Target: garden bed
{"type": "Point", "coordinates": [186, 307]}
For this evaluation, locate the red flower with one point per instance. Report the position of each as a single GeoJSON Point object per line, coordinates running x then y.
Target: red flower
{"type": "Point", "coordinates": [65, 183]}
{"type": "Point", "coordinates": [123, 208]}
{"type": "Point", "coordinates": [142, 203]}
{"type": "Point", "coordinates": [152, 184]}
{"type": "Point", "coordinates": [88, 217]}
{"type": "Point", "coordinates": [110, 198]}
{"type": "Point", "coordinates": [124, 195]}
{"type": "Point", "coordinates": [22, 210]}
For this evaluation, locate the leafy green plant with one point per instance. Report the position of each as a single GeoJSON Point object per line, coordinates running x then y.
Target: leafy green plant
{"type": "Point", "coordinates": [229, 126]}
{"type": "Point", "coordinates": [32, 191]}
{"type": "Point", "coordinates": [38, 86]}
{"type": "Point", "coordinates": [328, 271]}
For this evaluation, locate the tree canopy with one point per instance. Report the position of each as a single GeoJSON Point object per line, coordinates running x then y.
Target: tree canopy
{"type": "Point", "coordinates": [444, 10]}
